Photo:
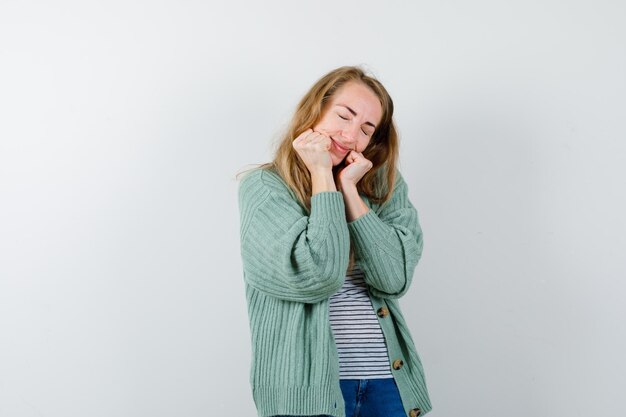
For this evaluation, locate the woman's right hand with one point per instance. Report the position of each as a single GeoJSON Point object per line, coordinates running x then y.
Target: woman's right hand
{"type": "Point", "coordinates": [314, 149]}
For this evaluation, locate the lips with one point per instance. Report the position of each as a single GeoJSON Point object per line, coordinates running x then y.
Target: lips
{"type": "Point", "coordinates": [340, 146]}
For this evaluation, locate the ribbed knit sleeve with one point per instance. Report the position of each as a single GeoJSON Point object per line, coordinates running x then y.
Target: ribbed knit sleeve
{"type": "Point", "coordinates": [388, 243]}
{"type": "Point", "coordinates": [287, 253]}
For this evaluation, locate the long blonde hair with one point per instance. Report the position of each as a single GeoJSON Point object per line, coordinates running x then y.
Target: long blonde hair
{"type": "Point", "coordinates": [382, 150]}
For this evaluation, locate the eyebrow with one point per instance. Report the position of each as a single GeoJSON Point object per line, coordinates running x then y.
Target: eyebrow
{"type": "Point", "coordinates": [354, 114]}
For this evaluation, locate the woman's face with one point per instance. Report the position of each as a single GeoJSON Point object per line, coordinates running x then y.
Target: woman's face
{"type": "Point", "coordinates": [350, 119]}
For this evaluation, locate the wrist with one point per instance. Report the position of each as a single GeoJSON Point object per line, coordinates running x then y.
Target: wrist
{"type": "Point", "coordinates": [355, 206]}
{"type": "Point", "coordinates": [346, 185]}
{"type": "Point", "coordinates": [322, 181]}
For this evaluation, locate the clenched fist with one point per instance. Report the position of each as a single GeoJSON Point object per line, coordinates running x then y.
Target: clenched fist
{"type": "Point", "coordinates": [353, 168]}
{"type": "Point", "coordinates": [314, 149]}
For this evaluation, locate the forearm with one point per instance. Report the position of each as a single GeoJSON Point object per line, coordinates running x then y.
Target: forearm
{"type": "Point", "coordinates": [388, 252]}
{"type": "Point", "coordinates": [322, 181]}
{"type": "Point", "coordinates": [355, 206]}
{"type": "Point", "coordinates": [293, 257]}
{"type": "Point", "coordinates": [388, 242]}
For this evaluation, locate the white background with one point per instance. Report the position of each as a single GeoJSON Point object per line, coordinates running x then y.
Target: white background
{"type": "Point", "coordinates": [123, 124]}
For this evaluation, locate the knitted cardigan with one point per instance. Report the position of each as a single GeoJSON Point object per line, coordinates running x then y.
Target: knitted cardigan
{"type": "Point", "coordinates": [293, 262]}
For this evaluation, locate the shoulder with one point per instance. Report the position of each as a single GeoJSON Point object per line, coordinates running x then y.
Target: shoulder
{"type": "Point", "coordinates": [259, 183]}
{"type": "Point", "coordinates": [262, 178]}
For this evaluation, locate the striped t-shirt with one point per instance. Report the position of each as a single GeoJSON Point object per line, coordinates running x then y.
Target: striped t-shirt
{"type": "Point", "coordinates": [360, 341]}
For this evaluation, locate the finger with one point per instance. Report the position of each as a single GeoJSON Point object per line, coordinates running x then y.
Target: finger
{"type": "Point", "coordinates": [311, 137]}
{"type": "Point", "coordinates": [363, 161]}
{"type": "Point", "coordinates": [321, 142]}
{"type": "Point", "coordinates": [319, 138]}
{"type": "Point", "coordinates": [326, 142]}
{"type": "Point", "coordinates": [302, 136]}
{"type": "Point", "coordinates": [320, 134]}
{"type": "Point", "coordinates": [305, 134]}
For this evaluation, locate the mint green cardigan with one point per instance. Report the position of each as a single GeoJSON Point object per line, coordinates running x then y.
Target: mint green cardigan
{"type": "Point", "coordinates": [293, 263]}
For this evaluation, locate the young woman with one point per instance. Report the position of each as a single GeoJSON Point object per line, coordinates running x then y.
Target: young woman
{"type": "Point", "coordinates": [329, 242]}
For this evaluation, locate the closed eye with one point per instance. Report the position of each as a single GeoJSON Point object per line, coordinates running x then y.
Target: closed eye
{"type": "Point", "coordinates": [345, 118]}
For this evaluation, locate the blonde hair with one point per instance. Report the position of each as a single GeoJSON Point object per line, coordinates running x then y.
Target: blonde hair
{"type": "Point", "coordinates": [382, 150]}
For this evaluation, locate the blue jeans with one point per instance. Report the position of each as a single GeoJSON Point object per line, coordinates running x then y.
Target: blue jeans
{"type": "Point", "coordinates": [372, 398]}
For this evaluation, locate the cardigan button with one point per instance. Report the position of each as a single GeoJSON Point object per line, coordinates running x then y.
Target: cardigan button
{"type": "Point", "coordinates": [397, 364]}
{"type": "Point", "coordinates": [382, 312]}
{"type": "Point", "coordinates": [415, 412]}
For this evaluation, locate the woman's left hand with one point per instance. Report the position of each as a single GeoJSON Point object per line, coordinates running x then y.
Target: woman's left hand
{"type": "Point", "coordinates": [356, 166]}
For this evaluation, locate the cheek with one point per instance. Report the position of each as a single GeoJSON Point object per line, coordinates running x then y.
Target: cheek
{"type": "Point", "coordinates": [328, 122]}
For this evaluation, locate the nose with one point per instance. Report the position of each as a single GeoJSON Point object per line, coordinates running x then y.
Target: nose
{"type": "Point", "coordinates": [350, 134]}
